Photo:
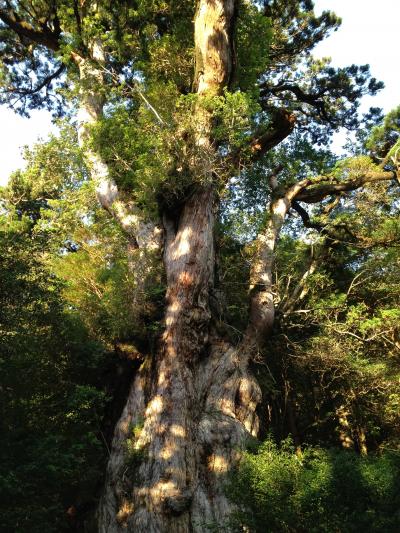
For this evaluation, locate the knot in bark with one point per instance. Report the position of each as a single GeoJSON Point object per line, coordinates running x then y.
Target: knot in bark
{"type": "Point", "coordinates": [179, 503]}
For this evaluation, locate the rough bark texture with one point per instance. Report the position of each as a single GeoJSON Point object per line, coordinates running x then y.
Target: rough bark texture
{"type": "Point", "coordinates": [199, 406]}
{"type": "Point", "coordinates": [213, 42]}
{"type": "Point", "coordinates": [192, 407]}
{"type": "Point", "coordinates": [192, 404]}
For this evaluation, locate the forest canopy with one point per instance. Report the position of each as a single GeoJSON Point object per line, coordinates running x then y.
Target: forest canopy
{"type": "Point", "coordinates": [199, 299]}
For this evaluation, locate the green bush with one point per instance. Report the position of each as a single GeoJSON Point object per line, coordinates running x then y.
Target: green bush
{"type": "Point", "coordinates": [51, 398]}
{"type": "Point", "coordinates": [316, 490]}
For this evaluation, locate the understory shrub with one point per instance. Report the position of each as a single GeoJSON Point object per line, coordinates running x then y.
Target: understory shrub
{"type": "Point", "coordinates": [279, 489]}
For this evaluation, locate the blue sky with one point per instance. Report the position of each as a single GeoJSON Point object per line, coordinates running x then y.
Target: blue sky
{"type": "Point", "coordinates": [369, 34]}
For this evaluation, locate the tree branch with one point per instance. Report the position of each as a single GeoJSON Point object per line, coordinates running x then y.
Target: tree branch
{"type": "Point", "coordinates": [142, 233]}
{"type": "Point", "coordinates": [47, 80]}
{"type": "Point", "coordinates": [300, 291]}
{"type": "Point", "coordinates": [316, 194]}
{"type": "Point", "coordinates": [262, 308]}
{"type": "Point", "coordinates": [282, 126]}
{"type": "Point", "coordinates": [305, 217]}
{"type": "Point", "coordinates": [301, 96]}
{"type": "Point", "coordinates": [313, 99]}
{"type": "Point", "coordinates": [45, 37]}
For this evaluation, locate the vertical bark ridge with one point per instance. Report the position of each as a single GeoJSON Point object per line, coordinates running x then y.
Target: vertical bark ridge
{"type": "Point", "coordinates": [116, 502]}
{"type": "Point", "coordinates": [213, 43]}
{"type": "Point", "coordinates": [228, 396]}
{"type": "Point", "coordinates": [168, 433]}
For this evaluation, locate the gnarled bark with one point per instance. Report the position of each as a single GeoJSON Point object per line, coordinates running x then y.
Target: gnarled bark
{"type": "Point", "coordinates": [199, 407]}
{"type": "Point", "coordinates": [193, 403]}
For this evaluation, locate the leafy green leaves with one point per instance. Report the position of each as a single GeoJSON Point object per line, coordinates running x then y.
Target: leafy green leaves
{"type": "Point", "coordinates": [253, 32]}
{"type": "Point", "coordinates": [51, 401]}
{"type": "Point", "coordinates": [314, 490]}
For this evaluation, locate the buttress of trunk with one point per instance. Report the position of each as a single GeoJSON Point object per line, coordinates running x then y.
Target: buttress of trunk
{"type": "Point", "coordinates": [189, 414]}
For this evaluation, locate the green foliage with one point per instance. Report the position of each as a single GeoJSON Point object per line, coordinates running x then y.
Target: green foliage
{"type": "Point", "coordinates": [51, 399]}
{"type": "Point", "coordinates": [384, 139]}
{"type": "Point", "coordinates": [104, 285]}
{"type": "Point", "coordinates": [153, 39]}
{"type": "Point", "coordinates": [292, 71]}
{"type": "Point", "coordinates": [253, 32]}
{"type": "Point", "coordinates": [235, 114]}
{"type": "Point", "coordinates": [115, 295]}
{"type": "Point", "coordinates": [296, 30]}
{"type": "Point", "coordinates": [316, 490]}
{"type": "Point", "coordinates": [339, 337]}
{"type": "Point", "coordinates": [335, 344]}
{"type": "Point", "coordinates": [168, 162]}
{"type": "Point", "coordinates": [134, 133]}
{"type": "Point", "coordinates": [244, 199]}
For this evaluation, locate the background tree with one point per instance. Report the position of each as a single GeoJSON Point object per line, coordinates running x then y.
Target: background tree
{"type": "Point", "coordinates": [52, 394]}
{"type": "Point", "coordinates": [170, 117]}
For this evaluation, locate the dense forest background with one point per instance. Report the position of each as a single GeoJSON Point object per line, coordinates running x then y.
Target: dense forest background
{"type": "Point", "coordinates": [79, 307]}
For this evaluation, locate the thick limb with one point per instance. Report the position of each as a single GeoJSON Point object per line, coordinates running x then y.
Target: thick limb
{"type": "Point", "coordinates": [144, 233]}
{"type": "Point", "coordinates": [310, 190]}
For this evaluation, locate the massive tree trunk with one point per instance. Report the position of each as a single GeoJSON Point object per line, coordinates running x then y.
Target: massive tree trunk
{"type": "Point", "coordinates": [190, 410]}
{"type": "Point", "coordinates": [192, 406]}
